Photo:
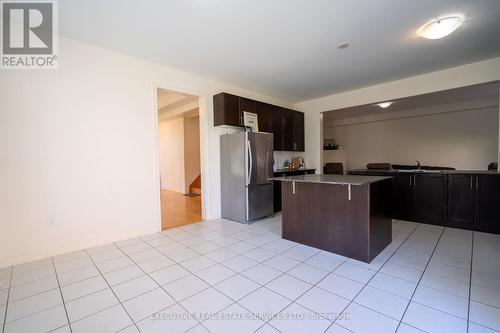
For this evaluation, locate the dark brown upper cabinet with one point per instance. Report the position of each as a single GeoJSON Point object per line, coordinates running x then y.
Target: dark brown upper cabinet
{"type": "Point", "coordinates": [286, 125]}
{"type": "Point", "coordinates": [263, 111]}
{"type": "Point", "coordinates": [247, 105]}
{"type": "Point", "coordinates": [227, 110]}
{"type": "Point", "coordinates": [298, 131]}
{"type": "Point", "coordinates": [292, 130]}
{"type": "Point", "coordinates": [286, 130]}
{"type": "Point", "coordinates": [275, 126]}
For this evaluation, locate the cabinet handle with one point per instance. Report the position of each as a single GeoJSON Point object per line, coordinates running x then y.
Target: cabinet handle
{"type": "Point", "coordinates": [471, 182]}
{"type": "Point", "coordinates": [410, 180]}
{"type": "Point", "coordinates": [414, 180]}
{"type": "Point", "coordinates": [477, 182]}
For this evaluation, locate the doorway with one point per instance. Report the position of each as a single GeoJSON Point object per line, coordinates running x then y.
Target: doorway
{"type": "Point", "coordinates": [179, 158]}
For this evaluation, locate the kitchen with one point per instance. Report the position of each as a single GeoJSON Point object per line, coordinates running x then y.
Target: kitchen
{"type": "Point", "coordinates": [456, 129]}
{"type": "Point", "coordinates": [347, 156]}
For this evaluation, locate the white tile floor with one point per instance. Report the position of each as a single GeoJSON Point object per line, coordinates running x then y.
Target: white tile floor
{"type": "Point", "coordinates": [222, 276]}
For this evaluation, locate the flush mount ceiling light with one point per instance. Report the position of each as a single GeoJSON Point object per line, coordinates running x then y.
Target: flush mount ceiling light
{"type": "Point", "coordinates": [441, 27]}
{"type": "Point", "coordinates": [343, 45]}
{"type": "Point", "coordinates": [384, 105]}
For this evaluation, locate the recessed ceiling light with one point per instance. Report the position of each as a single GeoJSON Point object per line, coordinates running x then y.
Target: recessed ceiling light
{"type": "Point", "coordinates": [384, 105]}
{"type": "Point", "coordinates": [343, 45]}
{"type": "Point", "coordinates": [440, 28]}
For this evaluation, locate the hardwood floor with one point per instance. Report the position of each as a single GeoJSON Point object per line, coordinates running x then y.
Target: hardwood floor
{"type": "Point", "coordinates": [178, 209]}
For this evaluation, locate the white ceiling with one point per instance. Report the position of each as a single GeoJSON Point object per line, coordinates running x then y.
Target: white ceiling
{"type": "Point", "coordinates": [486, 91]}
{"type": "Point", "coordinates": [172, 105]}
{"type": "Point", "coordinates": [288, 48]}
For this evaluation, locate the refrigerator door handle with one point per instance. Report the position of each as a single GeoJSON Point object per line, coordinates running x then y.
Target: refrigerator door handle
{"type": "Point", "coordinates": [250, 163]}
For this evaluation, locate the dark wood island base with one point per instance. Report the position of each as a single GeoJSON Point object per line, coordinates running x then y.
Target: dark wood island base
{"type": "Point", "coordinates": [347, 216]}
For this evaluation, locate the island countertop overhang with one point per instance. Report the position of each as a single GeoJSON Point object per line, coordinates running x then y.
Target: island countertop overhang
{"type": "Point", "coordinates": [332, 179]}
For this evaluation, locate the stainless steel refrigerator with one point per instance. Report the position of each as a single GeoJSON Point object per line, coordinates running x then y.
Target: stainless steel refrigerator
{"type": "Point", "coordinates": [246, 166]}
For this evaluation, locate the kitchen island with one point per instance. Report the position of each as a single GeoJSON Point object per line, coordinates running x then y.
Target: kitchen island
{"type": "Point", "coordinates": [348, 215]}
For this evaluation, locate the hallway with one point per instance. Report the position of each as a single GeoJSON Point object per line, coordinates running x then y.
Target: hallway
{"type": "Point", "coordinates": [178, 209]}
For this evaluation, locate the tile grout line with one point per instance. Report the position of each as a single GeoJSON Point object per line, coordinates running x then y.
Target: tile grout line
{"type": "Point", "coordinates": [7, 301]}
{"type": "Point", "coordinates": [62, 297]}
{"type": "Point", "coordinates": [160, 287]}
{"type": "Point", "coordinates": [223, 235]}
{"type": "Point", "coordinates": [470, 280]}
{"type": "Point", "coordinates": [148, 274]}
{"type": "Point", "coordinates": [239, 273]}
{"type": "Point", "coordinates": [366, 284]}
{"type": "Point", "coordinates": [114, 295]}
{"type": "Point", "coordinates": [285, 273]}
{"type": "Point", "coordinates": [264, 286]}
{"type": "Point", "coordinates": [420, 279]}
{"type": "Point", "coordinates": [237, 254]}
{"type": "Point", "coordinates": [282, 274]}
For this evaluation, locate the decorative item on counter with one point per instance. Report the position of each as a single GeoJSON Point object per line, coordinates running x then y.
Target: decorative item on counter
{"type": "Point", "coordinates": [285, 164]}
{"type": "Point", "coordinates": [295, 163]}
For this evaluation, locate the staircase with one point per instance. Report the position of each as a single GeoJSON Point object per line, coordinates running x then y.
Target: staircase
{"type": "Point", "coordinates": [195, 187]}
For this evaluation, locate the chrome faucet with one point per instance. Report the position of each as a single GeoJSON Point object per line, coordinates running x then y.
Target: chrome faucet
{"type": "Point", "coordinates": [418, 164]}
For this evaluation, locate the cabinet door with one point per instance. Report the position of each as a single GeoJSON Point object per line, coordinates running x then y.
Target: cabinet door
{"type": "Point", "coordinates": [461, 190]}
{"type": "Point", "coordinates": [246, 105]}
{"type": "Point", "coordinates": [286, 130]}
{"type": "Point", "coordinates": [275, 115]}
{"type": "Point", "coordinates": [277, 196]}
{"type": "Point", "coordinates": [430, 198]}
{"type": "Point", "coordinates": [402, 197]}
{"type": "Point", "coordinates": [298, 131]}
{"type": "Point", "coordinates": [263, 111]}
{"type": "Point", "coordinates": [227, 110]}
{"type": "Point", "coordinates": [488, 203]}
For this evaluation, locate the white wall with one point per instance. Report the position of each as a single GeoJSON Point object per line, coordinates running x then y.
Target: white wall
{"type": "Point", "coordinates": [281, 156]}
{"type": "Point", "coordinates": [171, 151]}
{"type": "Point", "coordinates": [191, 151]}
{"type": "Point", "coordinates": [466, 140]}
{"type": "Point", "coordinates": [475, 73]}
{"type": "Point", "coordinates": [79, 148]}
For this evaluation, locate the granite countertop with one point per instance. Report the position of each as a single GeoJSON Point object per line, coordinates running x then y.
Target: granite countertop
{"type": "Point", "coordinates": [332, 179]}
{"type": "Point", "coordinates": [289, 170]}
{"type": "Point", "coordinates": [443, 172]}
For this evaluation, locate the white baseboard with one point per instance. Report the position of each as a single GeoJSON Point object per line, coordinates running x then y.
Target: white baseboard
{"type": "Point", "coordinates": [9, 261]}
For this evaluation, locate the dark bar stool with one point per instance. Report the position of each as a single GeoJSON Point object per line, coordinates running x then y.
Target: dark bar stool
{"type": "Point", "coordinates": [333, 169]}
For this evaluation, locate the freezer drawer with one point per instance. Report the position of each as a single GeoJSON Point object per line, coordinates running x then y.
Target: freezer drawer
{"type": "Point", "coordinates": [260, 201]}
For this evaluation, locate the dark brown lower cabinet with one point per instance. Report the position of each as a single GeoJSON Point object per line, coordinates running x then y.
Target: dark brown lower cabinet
{"type": "Point", "coordinates": [465, 201]}
{"type": "Point", "coordinates": [488, 203]}
{"type": "Point", "coordinates": [429, 198]}
{"type": "Point", "coordinates": [461, 196]}
{"type": "Point", "coordinates": [402, 197]}
{"type": "Point", "coordinates": [277, 184]}
{"type": "Point", "coordinates": [475, 202]}
{"type": "Point", "coordinates": [327, 217]}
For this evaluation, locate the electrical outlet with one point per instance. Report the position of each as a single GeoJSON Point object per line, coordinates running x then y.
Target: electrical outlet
{"type": "Point", "coordinates": [50, 222]}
